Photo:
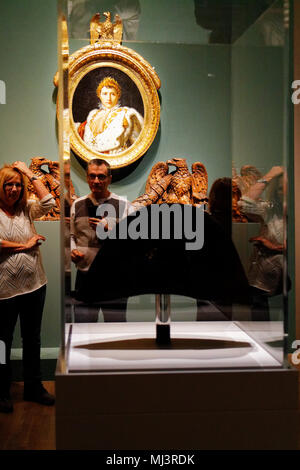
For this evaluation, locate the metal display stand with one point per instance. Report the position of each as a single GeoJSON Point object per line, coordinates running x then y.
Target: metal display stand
{"type": "Point", "coordinates": [163, 319]}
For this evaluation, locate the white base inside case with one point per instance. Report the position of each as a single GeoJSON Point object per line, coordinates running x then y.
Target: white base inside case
{"type": "Point", "coordinates": [194, 345]}
{"type": "Point", "coordinates": [215, 387]}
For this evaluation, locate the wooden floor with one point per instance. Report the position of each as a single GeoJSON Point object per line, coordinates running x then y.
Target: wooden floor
{"type": "Point", "coordinates": [32, 426]}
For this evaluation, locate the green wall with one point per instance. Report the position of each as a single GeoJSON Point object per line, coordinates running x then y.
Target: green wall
{"type": "Point", "coordinates": [28, 61]}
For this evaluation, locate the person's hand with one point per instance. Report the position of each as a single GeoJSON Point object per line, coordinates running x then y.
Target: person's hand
{"type": "Point", "coordinates": [34, 241]}
{"type": "Point", "coordinates": [266, 243]}
{"type": "Point", "coordinates": [23, 168]}
{"type": "Point", "coordinates": [274, 172]}
{"type": "Point", "coordinates": [94, 222]}
{"type": "Point", "coordinates": [76, 256]}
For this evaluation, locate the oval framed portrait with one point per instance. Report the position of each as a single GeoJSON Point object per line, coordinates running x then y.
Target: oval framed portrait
{"type": "Point", "coordinates": [114, 104]}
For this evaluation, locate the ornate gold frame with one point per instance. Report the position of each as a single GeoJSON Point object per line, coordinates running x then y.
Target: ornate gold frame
{"type": "Point", "coordinates": [113, 55]}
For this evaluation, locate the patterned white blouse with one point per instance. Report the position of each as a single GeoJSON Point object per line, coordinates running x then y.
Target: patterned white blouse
{"type": "Point", "coordinates": [22, 272]}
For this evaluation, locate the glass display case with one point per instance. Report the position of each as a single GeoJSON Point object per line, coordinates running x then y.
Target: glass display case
{"type": "Point", "coordinates": [197, 81]}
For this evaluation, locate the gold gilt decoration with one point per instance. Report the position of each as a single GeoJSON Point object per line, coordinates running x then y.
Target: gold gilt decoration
{"type": "Point", "coordinates": [51, 179]}
{"type": "Point", "coordinates": [237, 215]}
{"type": "Point", "coordinates": [249, 174]}
{"type": "Point", "coordinates": [135, 125]}
{"type": "Point", "coordinates": [179, 186]}
{"type": "Point", "coordinates": [106, 31]}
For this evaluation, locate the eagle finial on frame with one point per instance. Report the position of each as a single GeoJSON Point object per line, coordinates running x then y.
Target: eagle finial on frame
{"type": "Point", "coordinates": [105, 31]}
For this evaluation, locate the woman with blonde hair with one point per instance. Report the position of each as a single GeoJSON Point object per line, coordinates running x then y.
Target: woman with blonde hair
{"type": "Point", "coordinates": [112, 128]}
{"type": "Point", "coordinates": [22, 278]}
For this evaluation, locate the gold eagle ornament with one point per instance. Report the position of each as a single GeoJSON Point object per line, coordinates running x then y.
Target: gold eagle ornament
{"type": "Point", "coordinates": [106, 31]}
{"type": "Point", "coordinates": [179, 186]}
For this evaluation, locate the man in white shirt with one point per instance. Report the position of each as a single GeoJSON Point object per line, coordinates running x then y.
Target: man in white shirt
{"type": "Point", "coordinates": [84, 241]}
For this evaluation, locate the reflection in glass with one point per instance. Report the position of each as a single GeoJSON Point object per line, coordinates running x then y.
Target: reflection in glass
{"type": "Point", "coordinates": [230, 109]}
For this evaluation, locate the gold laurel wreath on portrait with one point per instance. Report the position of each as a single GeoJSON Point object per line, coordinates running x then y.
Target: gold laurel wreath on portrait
{"type": "Point", "coordinates": [105, 50]}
